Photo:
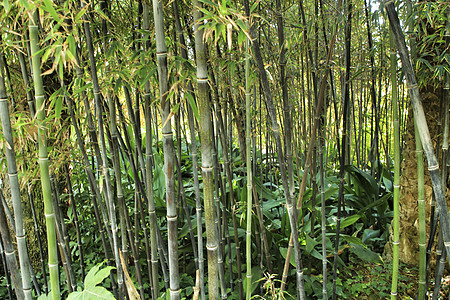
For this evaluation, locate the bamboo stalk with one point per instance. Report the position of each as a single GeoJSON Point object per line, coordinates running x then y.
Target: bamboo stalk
{"type": "Point", "coordinates": [212, 237]}
{"type": "Point", "coordinates": [248, 248]}
{"type": "Point", "coordinates": [397, 162]}
{"type": "Point", "coordinates": [168, 148]}
{"type": "Point", "coordinates": [14, 186]}
{"type": "Point", "coordinates": [43, 156]}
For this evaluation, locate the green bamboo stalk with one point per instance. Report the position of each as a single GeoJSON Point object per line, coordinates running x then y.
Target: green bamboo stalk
{"type": "Point", "coordinates": [212, 238]}
{"type": "Point", "coordinates": [168, 148]}
{"type": "Point", "coordinates": [397, 162]}
{"type": "Point", "coordinates": [14, 186]}
{"type": "Point", "coordinates": [43, 157]}
{"type": "Point", "coordinates": [249, 170]}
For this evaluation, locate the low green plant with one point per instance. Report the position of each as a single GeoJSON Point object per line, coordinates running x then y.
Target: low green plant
{"type": "Point", "coordinates": [91, 289]}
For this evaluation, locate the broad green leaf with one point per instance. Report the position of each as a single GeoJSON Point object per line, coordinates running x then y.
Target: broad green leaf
{"type": "Point", "coordinates": [349, 220]}
{"type": "Point", "coordinates": [310, 244]}
{"type": "Point", "coordinates": [283, 252]}
{"type": "Point", "coordinates": [93, 293]}
{"type": "Point", "coordinates": [46, 296]}
{"type": "Point", "coordinates": [96, 276]}
{"type": "Point", "coordinates": [352, 239]}
{"type": "Point", "coordinates": [366, 254]}
{"type": "Point", "coordinates": [363, 180]}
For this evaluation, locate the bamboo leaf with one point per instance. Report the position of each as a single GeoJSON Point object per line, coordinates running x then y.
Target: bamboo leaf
{"type": "Point", "coordinates": [193, 105]}
{"type": "Point", "coordinates": [349, 220]}
{"type": "Point", "coordinates": [6, 5]}
{"type": "Point", "coordinates": [48, 6]}
{"type": "Point", "coordinates": [365, 254]}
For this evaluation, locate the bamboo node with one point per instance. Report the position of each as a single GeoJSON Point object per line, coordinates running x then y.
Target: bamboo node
{"type": "Point", "coordinates": [207, 169]}
{"type": "Point", "coordinates": [412, 86]}
{"type": "Point", "coordinates": [422, 282]}
{"type": "Point", "coordinates": [433, 168]}
{"type": "Point", "coordinates": [167, 134]}
{"type": "Point", "coordinates": [52, 265]}
{"type": "Point", "coordinates": [396, 242]}
{"type": "Point", "coordinates": [202, 80]}
{"type": "Point", "coordinates": [387, 2]}
{"type": "Point", "coordinates": [172, 218]}
{"type": "Point", "coordinates": [212, 248]}
{"type": "Point", "coordinates": [396, 186]}
{"type": "Point", "coordinates": [161, 54]}
{"type": "Point", "coordinates": [394, 294]}
{"type": "Point", "coordinates": [422, 245]}
{"type": "Point", "coordinates": [447, 244]}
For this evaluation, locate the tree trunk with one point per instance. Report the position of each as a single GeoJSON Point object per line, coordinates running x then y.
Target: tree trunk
{"type": "Point", "coordinates": [409, 213]}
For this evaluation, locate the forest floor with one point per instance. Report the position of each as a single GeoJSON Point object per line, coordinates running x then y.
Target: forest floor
{"type": "Point", "coordinates": [373, 281]}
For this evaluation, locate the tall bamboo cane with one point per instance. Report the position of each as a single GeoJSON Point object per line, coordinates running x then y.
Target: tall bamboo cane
{"type": "Point", "coordinates": [14, 186]}
{"type": "Point", "coordinates": [168, 148]}
{"type": "Point", "coordinates": [193, 147]}
{"type": "Point", "coordinates": [212, 238]}
{"type": "Point", "coordinates": [396, 219]}
{"type": "Point", "coordinates": [149, 166]}
{"type": "Point", "coordinates": [43, 157]}
{"type": "Point", "coordinates": [248, 247]}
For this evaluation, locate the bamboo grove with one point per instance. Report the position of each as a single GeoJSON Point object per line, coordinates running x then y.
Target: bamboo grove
{"type": "Point", "coordinates": [222, 149]}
